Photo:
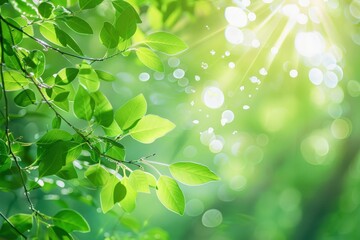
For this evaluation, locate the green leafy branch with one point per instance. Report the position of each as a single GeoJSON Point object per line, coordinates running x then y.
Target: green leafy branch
{"type": "Point", "coordinates": [22, 70]}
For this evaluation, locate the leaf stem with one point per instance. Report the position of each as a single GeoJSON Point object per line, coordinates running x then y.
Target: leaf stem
{"type": "Point", "coordinates": [7, 120]}
{"type": "Point", "coordinates": [151, 166]}
{"type": "Point", "coordinates": [12, 225]}
{"type": "Point", "coordinates": [158, 163]}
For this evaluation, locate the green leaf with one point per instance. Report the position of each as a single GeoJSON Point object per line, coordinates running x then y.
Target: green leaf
{"type": "Point", "coordinates": [14, 80]}
{"type": "Point", "coordinates": [45, 9]}
{"type": "Point", "coordinates": [87, 4]}
{"type": "Point", "coordinates": [114, 149]}
{"type": "Point", "coordinates": [70, 221]}
{"type": "Point", "coordinates": [170, 194]}
{"type": "Point", "coordinates": [111, 193]}
{"type": "Point", "coordinates": [78, 25]}
{"type": "Point", "coordinates": [126, 21]}
{"type": "Point", "coordinates": [74, 152]}
{"type": "Point", "coordinates": [165, 42]}
{"type": "Point", "coordinates": [36, 62]}
{"type": "Point", "coordinates": [22, 222]}
{"type": "Point", "coordinates": [192, 173]}
{"type": "Point", "coordinates": [71, 43]}
{"type": "Point", "coordinates": [62, 96]}
{"type": "Point", "coordinates": [103, 111]}
{"type": "Point", "coordinates": [122, 6]}
{"type": "Point", "coordinates": [66, 76]}
{"type": "Point", "coordinates": [51, 33]}
{"type": "Point", "coordinates": [97, 175]}
{"type": "Point", "coordinates": [109, 36]}
{"type": "Point", "coordinates": [5, 163]}
{"type": "Point", "coordinates": [113, 130]}
{"type": "Point", "coordinates": [53, 136]}
{"type": "Point", "coordinates": [59, 233]}
{"type": "Point", "coordinates": [83, 104]}
{"type": "Point", "coordinates": [11, 34]}
{"type": "Point", "coordinates": [25, 8]}
{"type": "Point", "coordinates": [10, 179]}
{"type": "Point", "coordinates": [52, 157]}
{"type": "Point", "coordinates": [129, 201]}
{"type": "Point", "coordinates": [67, 172]}
{"type": "Point", "coordinates": [131, 112]}
{"type": "Point", "coordinates": [151, 127]}
{"type": "Point", "coordinates": [25, 98]}
{"type": "Point", "coordinates": [150, 59]}
{"type": "Point", "coordinates": [88, 78]}
{"type": "Point", "coordinates": [56, 122]}
{"type": "Point", "coordinates": [57, 36]}
{"type": "Point", "coordinates": [3, 147]}
{"type": "Point", "coordinates": [105, 76]}
{"type": "Point", "coordinates": [141, 181]}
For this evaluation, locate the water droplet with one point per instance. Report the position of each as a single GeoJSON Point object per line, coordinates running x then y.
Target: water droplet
{"type": "Point", "coordinates": [330, 79]}
{"type": "Point", "coordinates": [316, 76]}
{"type": "Point", "coordinates": [173, 62]}
{"type": "Point", "coordinates": [159, 76]}
{"type": "Point", "coordinates": [179, 73]}
{"type": "Point", "coordinates": [242, 88]}
{"type": "Point", "coordinates": [212, 218]}
{"type": "Point", "coordinates": [216, 146]}
{"type": "Point", "coordinates": [274, 50]}
{"type": "Point", "coordinates": [195, 121]}
{"type": "Point", "coordinates": [213, 97]}
{"type": "Point", "coordinates": [197, 78]}
{"type": "Point", "coordinates": [204, 65]}
{"type": "Point", "coordinates": [246, 107]}
{"type": "Point", "coordinates": [212, 52]}
{"type": "Point", "coordinates": [227, 53]}
{"type": "Point", "coordinates": [144, 76]}
{"type": "Point", "coordinates": [232, 65]}
{"type": "Point", "coordinates": [263, 72]}
{"type": "Point", "coordinates": [254, 79]}
{"type": "Point", "coordinates": [293, 73]}
{"type": "Point", "coordinates": [227, 117]}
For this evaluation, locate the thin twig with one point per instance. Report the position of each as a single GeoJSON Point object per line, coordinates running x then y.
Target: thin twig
{"type": "Point", "coordinates": [151, 166]}
{"type": "Point", "coordinates": [12, 225]}
{"type": "Point", "coordinates": [7, 129]}
{"type": "Point", "coordinates": [47, 45]}
{"type": "Point", "coordinates": [158, 163]}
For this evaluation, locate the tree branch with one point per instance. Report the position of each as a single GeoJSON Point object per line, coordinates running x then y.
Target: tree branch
{"type": "Point", "coordinates": [47, 45]}
{"type": "Point", "coordinates": [12, 225]}
{"type": "Point", "coordinates": [7, 129]}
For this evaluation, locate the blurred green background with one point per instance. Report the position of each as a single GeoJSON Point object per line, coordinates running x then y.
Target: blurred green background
{"type": "Point", "coordinates": [267, 96]}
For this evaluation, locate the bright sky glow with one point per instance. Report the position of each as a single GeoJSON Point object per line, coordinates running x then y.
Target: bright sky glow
{"type": "Point", "coordinates": [234, 35]}
{"type": "Point", "coordinates": [309, 44]}
{"type": "Point", "coordinates": [236, 17]}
